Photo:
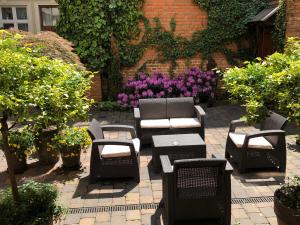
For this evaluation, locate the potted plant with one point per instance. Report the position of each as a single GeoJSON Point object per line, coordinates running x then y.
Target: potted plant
{"type": "Point", "coordinates": [37, 205]}
{"type": "Point", "coordinates": [69, 142]}
{"type": "Point", "coordinates": [287, 202]}
{"type": "Point", "coordinates": [20, 145]}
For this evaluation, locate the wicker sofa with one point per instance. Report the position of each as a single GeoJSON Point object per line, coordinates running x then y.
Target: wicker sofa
{"type": "Point", "coordinates": [168, 116]}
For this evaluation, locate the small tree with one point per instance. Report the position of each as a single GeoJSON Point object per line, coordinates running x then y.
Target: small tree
{"type": "Point", "coordinates": [269, 84]}
{"type": "Point", "coordinates": [28, 83]}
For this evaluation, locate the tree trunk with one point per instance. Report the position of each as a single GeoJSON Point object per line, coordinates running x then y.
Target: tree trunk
{"type": "Point", "coordinates": [5, 133]}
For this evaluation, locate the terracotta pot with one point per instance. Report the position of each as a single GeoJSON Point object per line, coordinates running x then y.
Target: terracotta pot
{"type": "Point", "coordinates": [285, 215]}
{"type": "Point", "coordinates": [47, 156]}
{"type": "Point", "coordinates": [19, 162]}
{"type": "Point", "coordinates": [71, 158]}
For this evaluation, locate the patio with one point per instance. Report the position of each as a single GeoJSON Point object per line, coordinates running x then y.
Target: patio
{"type": "Point", "coordinates": [137, 203]}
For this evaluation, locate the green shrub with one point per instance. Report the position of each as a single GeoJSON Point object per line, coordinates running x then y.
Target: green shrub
{"type": "Point", "coordinates": [110, 106]}
{"type": "Point", "coordinates": [289, 193]}
{"type": "Point", "coordinates": [37, 205]}
{"type": "Point", "coordinates": [71, 137]}
{"type": "Point", "coordinates": [269, 84]}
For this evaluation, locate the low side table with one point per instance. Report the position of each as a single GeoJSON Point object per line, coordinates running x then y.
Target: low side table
{"type": "Point", "coordinates": [177, 146]}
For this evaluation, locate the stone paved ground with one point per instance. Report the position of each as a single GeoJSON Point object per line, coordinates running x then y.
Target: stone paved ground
{"type": "Point", "coordinates": [76, 192]}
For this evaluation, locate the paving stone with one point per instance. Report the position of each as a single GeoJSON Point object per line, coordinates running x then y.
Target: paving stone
{"type": "Point", "coordinates": [268, 211]}
{"type": "Point", "coordinates": [250, 208]}
{"type": "Point", "coordinates": [72, 219]}
{"type": "Point", "coordinates": [239, 213]}
{"type": "Point", "coordinates": [133, 215]}
{"type": "Point", "coordinates": [272, 220]}
{"type": "Point", "coordinates": [87, 221]}
{"type": "Point", "coordinates": [257, 218]}
{"type": "Point", "coordinates": [118, 220]}
{"type": "Point", "coordinates": [133, 222]}
{"type": "Point", "coordinates": [103, 217]}
{"type": "Point", "coordinates": [244, 222]}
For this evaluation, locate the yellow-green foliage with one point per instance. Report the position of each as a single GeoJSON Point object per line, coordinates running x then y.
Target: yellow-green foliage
{"type": "Point", "coordinates": [270, 84]}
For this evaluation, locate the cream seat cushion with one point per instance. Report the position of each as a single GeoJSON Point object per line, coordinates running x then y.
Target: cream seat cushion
{"type": "Point", "coordinates": [184, 123]}
{"type": "Point", "coordinates": [155, 123]}
{"type": "Point", "coordinates": [258, 142]}
{"type": "Point", "coordinates": [112, 151]}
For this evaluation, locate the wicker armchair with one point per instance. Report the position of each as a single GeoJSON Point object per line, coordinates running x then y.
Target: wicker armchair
{"type": "Point", "coordinates": [196, 191]}
{"type": "Point", "coordinates": [113, 158]}
{"type": "Point", "coordinates": [263, 149]}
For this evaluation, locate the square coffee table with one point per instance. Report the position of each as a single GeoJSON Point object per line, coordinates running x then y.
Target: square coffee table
{"type": "Point", "coordinates": [177, 146]}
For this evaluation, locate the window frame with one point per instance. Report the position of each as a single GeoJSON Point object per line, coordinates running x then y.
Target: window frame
{"type": "Point", "coordinates": [42, 27]}
{"type": "Point", "coordinates": [15, 20]}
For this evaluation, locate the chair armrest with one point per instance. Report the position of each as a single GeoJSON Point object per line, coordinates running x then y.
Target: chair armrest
{"type": "Point", "coordinates": [112, 142]}
{"type": "Point", "coordinates": [200, 112]}
{"type": "Point", "coordinates": [228, 166]}
{"type": "Point", "coordinates": [120, 128]}
{"type": "Point", "coordinates": [166, 164]}
{"type": "Point", "coordinates": [235, 123]}
{"type": "Point", "coordinates": [136, 113]}
{"type": "Point", "coordinates": [263, 133]}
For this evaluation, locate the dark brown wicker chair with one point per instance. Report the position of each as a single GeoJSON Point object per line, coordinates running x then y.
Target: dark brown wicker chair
{"type": "Point", "coordinates": [263, 149]}
{"type": "Point", "coordinates": [196, 191]}
{"type": "Point", "coordinates": [111, 158]}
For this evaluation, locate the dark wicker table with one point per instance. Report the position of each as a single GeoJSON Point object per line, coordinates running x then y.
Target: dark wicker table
{"type": "Point", "coordinates": [177, 146]}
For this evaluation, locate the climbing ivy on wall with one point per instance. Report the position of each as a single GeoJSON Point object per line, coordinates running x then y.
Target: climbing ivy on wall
{"type": "Point", "coordinates": [280, 26]}
{"type": "Point", "coordinates": [227, 22]}
{"type": "Point", "coordinates": [102, 32]}
{"type": "Point", "coordinates": [95, 27]}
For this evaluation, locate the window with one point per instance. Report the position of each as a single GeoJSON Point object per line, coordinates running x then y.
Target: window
{"type": "Point", "coordinates": [49, 17]}
{"type": "Point", "coordinates": [14, 17]}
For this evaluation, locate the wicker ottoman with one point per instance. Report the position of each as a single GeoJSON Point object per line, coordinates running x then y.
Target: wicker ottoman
{"type": "Point", "coordinates": [177, 146]}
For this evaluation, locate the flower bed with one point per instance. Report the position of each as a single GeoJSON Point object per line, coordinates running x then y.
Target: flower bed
{"type": "Point", "coordinates": [193, 83]}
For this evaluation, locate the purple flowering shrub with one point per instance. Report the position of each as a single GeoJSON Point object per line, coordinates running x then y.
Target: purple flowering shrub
{"type": "Point", "coordinates": [192, 83]}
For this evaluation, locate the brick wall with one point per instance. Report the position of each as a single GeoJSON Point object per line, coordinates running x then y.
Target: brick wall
{"type": "Point", "coordinates": [189, 18]}
{"type": "Point", "coordinates": [96, 89]}
{"type": "Point", "coordinates": [293, 19]}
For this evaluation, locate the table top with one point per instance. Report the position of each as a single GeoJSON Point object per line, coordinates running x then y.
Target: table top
{"type": "Point", "coordinates": [177, 140]}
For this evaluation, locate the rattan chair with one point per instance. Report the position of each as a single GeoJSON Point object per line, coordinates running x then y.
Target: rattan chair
{"type": "Point", "coordinates": [112, 158]}
{"type": "Point", "coordinates": [196, 191]}
{"type": "Point", "coordinates": [263, 149]}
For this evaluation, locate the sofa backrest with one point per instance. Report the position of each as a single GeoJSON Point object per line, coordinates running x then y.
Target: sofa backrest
{"type": "Point", "coordinates": [182, 107]}
{"type": "Point", "coordinates": [153, 108]}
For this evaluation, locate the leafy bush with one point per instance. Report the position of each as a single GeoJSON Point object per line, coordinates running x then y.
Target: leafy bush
{"type": "Point", "coordinates": [37, 205]}
{"type": "Point", "coordinates": [20, 142]}
{"type": "Point", "coordinates": [71, 137]}
{"type": "Point", "coordinates": [109, 106]}
{"type": "Point", "coordinates": [289, 193]}
{"type": "Point", "coordinates": [269, 84]}
{"type": "Point", "coordinates": [192, 83]}
{"type": "Point", "coordinates": [47, 44]}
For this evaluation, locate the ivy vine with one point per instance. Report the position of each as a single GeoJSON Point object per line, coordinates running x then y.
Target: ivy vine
{"type": "Point", "coordinates": [95, 27]}
{"type": "Point", "coordinates": [279, 38]}
{"type": "Point", "coordinates": [227, 22]}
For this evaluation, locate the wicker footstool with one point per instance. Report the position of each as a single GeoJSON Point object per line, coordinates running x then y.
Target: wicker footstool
{"type": "Point", "coordinates": [177, 146]}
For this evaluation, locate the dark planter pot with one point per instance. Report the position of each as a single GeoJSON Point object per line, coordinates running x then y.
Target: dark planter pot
{"type": "Point", "coordinates": [71, 158]}
{"type": "Point", "coordinates": [19, 163]}
{"type": "Point", "coordinates": [285, 215]}
{"type": "Point", "coordinates": [47, 156]}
